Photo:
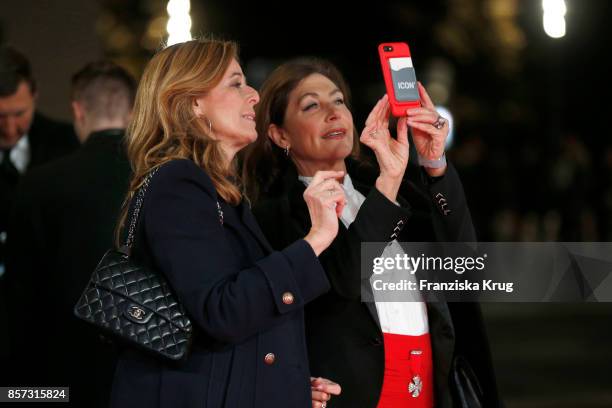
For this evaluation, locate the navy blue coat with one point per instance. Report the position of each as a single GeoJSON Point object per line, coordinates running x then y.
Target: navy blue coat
{"type": "Point", "coordinates": [232, 284]}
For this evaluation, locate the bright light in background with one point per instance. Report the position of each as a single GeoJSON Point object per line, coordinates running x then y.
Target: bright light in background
{"type": "Point", "coordinates": [554, 17]}
{"type": "Point", "coordinates": [446, 114]}
{"type": "Point", "coordinates": [179, 21]}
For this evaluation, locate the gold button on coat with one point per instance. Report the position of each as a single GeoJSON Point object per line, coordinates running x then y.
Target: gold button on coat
{"type": "Point", "coordinates": [269, 358]}
{"type": "Point", "coordinates": [288, 298]}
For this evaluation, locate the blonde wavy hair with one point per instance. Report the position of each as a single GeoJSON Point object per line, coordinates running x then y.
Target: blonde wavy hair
{"type": "Point", "coordinates": [164, 126]}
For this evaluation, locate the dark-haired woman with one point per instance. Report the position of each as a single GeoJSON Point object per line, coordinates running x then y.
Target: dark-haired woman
{"type": "Point", "coordinates": [383, 354]}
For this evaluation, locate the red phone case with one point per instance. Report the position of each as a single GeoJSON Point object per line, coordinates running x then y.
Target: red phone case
{"type": "Point", "coordinates": [398, 108]}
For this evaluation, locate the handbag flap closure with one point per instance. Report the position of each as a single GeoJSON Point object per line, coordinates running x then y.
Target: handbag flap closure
{"type": "Point", "coordinates": [137, 313]}
{"type": "Point", "coordinates": [146, 290]}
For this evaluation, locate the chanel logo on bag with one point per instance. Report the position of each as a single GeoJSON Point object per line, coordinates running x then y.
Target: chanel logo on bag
{"type": "Point", "coordinates": [137, 314]}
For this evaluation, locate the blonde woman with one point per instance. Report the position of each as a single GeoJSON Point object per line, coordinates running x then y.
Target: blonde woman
{"type": "Point", "coordinates": [193, 113]}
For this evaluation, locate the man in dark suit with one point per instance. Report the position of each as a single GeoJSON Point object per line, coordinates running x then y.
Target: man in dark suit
{"type": "Point", "coordinates": [62, 223]}
{"type": "Point", "coordinates": [27, 139]}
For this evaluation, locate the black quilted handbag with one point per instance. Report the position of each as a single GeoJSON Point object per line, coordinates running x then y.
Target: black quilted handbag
{"type": "Point", "coordinates": [135, 302]}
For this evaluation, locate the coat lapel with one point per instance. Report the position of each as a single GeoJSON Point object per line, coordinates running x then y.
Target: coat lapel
{"type": "Point", "coordinates": [371, 306]}
{"type": "Point", "coordinates": [366, 286]}
{"type": "Point", "coordinates": [249, 220]}
{"type": "Point", "coordinates": [233, 217]}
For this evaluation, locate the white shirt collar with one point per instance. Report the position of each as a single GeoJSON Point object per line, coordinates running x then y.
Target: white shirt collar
{"type": "Point", "coordinates": [347, 184]}
{"type": "Point", "coordinates": [20, 154]}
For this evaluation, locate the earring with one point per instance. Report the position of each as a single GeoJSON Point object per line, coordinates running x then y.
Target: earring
{"type": "Point", "coordinates": [287, 151]}
{"type": "Point", "coordinates": [209, 126]}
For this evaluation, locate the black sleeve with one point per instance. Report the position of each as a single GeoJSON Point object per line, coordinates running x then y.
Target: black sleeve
{"type": "Point", "coordinates": [452, 220]}
{"type": "Point", "coordinates": [28, 281]}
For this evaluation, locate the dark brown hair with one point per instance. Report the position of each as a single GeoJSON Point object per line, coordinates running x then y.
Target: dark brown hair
{"type": "Point", "coordinates": [263, 161]}
{"type": "Point", "coordinates": [14, 68]}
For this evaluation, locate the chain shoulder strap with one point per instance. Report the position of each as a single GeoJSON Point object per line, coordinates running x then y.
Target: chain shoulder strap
{"type": "Point", "coordinates": [139, 200]}
{"type": "Point", "coordinates": [138, 206]}
{"type": "Point", "coordinates": [220, 212]}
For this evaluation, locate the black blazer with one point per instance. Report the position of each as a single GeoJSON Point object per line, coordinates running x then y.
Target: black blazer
{"type": "Point", "coordinates": [62, 223]}
{"type": "Point", "coordinates": [48, 140]}
{"type": "Point", "coordinates": [344, 336]}
{"type": "Point", "coordinates": [245, 300]}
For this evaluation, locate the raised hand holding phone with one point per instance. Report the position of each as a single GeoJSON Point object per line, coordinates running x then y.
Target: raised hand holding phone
{"type": "Point", "coordinates": [408, 97]}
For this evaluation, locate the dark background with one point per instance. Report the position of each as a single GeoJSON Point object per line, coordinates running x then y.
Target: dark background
{"type": "Point", "coordinates": [531, 126]}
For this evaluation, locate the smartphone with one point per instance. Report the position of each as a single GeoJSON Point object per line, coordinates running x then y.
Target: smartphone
{"type": "Point", "coordinates": [400, 78]}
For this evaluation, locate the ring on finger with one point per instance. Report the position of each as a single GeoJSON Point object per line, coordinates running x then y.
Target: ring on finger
{"type": "Point", "coordinates": [439, 123]}
{"type": "Point", "coordinates": [324, 404]}
{"type": "Point", "coordinates": [373, 132]}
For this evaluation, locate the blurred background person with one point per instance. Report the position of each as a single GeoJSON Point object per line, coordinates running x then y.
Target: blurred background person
{"type": "Point", "coordinates": [27, 139]}
{"type": "Point", "coordinates": [63, 222]}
